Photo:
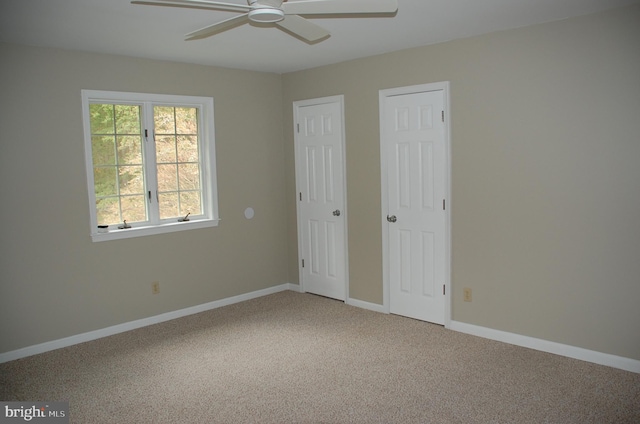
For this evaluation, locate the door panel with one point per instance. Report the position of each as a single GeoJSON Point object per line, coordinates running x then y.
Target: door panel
{"type": "Point", "coordinates": [412, 136]}
{"type": "Point", "coordinates": [321, 205]}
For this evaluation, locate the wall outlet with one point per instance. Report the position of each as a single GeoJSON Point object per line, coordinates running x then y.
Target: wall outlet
{"type": "Point", "coordinates": [155, 287]}
{"type": "Point", "coordinates": [467, 294]}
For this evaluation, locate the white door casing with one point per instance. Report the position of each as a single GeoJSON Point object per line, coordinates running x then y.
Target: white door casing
{"type": "Point", "coordinates": [414, 142]}
{"type": "Point", "coordinates": [321, 196]}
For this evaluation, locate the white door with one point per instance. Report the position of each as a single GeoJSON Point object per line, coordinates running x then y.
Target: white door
{"type": "Point", "coordinates": [319, 146]}
{"type": "Point", "coordinates": [414, 161]}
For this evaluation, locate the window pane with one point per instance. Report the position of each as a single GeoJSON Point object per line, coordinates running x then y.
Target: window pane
{"type": "Point", "coordinates": [101, 117]}
{"type": "Point", "coordinates": [108, 211]}
{"type": "Point", "coordinates": [134, 208]}
{"type": "Point", "coordinates": [190, 203]}
{"type": "Point", "coordinates": [189, 176]}
{"type": "Point", "coordinates": [188, 149]}
{"type": "Point", "coordinates": [163, 119]}
{"type": "Point", "coordinates": [127, 119]}
{"type": "Point", "coordinates": [103, 150]}
{"type": "Point", "coordinates": [178, 157]}
{"type": "Point", "coordinates": [186, 120]}
{"type": "Point", "coordinates": [114, 152]}
{"type": "Point", "coordinates": [129, 150]}
{"type": "Point", "coordinates": [105, 181]}
{"type": "Point", "coordinates": [166, 149]}
{"type": "Point", "coordinates": [167, 178]}
{"type": "Point", "coordinates": [131, 180]}
{"type": "Point", "coordinates": [169, 205]}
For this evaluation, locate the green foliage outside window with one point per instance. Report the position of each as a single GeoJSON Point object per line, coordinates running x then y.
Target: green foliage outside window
{"type": "Point", "coordinates": [177, 157]}
{"type": "Point", "coordinates": [118, 162]}
{"type": "Point", "coordinates": [116, 146]}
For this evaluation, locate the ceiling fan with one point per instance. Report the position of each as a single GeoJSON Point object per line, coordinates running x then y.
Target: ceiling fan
{"type": "Point", "coordinates": [285, 15]}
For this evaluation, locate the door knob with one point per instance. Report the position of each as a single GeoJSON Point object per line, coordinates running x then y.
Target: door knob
{"type": "Point", "coordinates": [336, 212]}
{"type": "Point", "coordinates": [392, 218]}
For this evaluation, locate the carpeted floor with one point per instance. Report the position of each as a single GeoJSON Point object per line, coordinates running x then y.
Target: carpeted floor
{"type": "Point", "coordinates": [299, 358]}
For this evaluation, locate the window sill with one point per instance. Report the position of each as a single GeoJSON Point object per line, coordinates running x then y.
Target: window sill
{"type": "Point", "coordinates": [117, 234]}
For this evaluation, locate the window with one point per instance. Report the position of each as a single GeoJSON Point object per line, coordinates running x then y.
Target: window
{"type": "Point", "coordinates": [150, 163]}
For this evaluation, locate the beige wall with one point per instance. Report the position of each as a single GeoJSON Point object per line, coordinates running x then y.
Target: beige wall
{"type": "Point", "coordinates": [546, 179]}
{"type": "Point", "coordinates": [54, 282]}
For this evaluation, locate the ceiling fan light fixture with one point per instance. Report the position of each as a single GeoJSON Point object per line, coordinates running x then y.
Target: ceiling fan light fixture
{"type": "Point", "coordinates": [266, 14]}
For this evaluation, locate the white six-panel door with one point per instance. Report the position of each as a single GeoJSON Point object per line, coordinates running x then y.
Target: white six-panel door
{"type": "Point", "coordinates": [414, 161]}
{"type": "Point", "coordinates": [319, 146]}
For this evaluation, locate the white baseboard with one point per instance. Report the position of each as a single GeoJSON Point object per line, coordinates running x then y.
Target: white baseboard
{"type": "Point", "coordinates": [132, 325]}
{"type": "Point", "coordinates": [606, 359]}
{"type": "Point", "coordinates": [366, 305]}
{"type": "Point", "coordinates": [574, 352]}
{"type": "Point", "coordinates": [295, 287]}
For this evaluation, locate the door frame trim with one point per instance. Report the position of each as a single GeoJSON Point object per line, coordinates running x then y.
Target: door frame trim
{"type": "Point", "coordinates": [339, 99]}
{"type": "Point", "coordinates": [383, 94]}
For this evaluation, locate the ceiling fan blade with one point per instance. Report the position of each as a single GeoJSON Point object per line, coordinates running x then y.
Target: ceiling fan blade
{"type": "Point", "coordinates": [218, 27]}
{"type": "Point", "coordinates": [302, 28]}
{"type": "Point", "coordinates": [196, 4]}
{"type": "Point", "coordinates": [332, 7]}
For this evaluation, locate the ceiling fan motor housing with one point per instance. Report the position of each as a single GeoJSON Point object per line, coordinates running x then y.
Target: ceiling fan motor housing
{"type": "Point", "coordinates": [266, 14]}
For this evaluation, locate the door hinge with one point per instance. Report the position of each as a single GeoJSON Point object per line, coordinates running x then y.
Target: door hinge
{"type": "Point", "coordinates": [443, 116]}
{"type": "Point", "coordinates": [301, 196]}
{"type": "Point", "coordinates": [298, 128]}
{"type": "Point", "coordinates": [146, 135]}
{"type": "Point", "coordinates": [303, 263]}
{"type": "Point", "coordinates": [444, 205]}
{"type": "Point", "coordinates": [444, 289]}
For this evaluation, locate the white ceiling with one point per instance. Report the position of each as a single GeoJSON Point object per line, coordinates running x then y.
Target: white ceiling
{"type": "Point", "coordinates": [118, 27]}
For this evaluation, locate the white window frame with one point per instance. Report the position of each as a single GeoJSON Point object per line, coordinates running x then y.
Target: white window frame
{"type": "Point", "coordinates": [210, 217]}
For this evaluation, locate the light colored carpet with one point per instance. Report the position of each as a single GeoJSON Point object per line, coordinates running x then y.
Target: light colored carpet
{"type": "Point", "coordinates": [299, 358]}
